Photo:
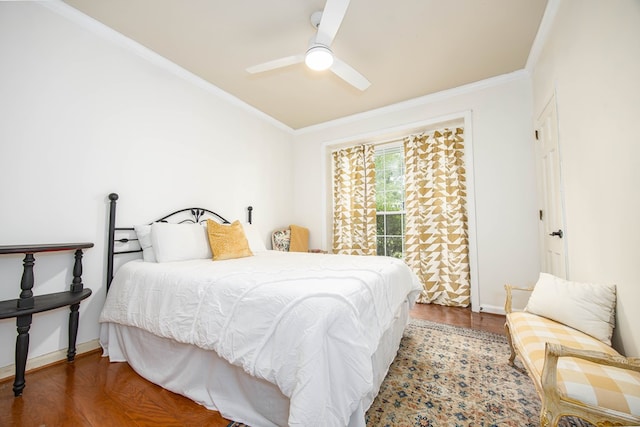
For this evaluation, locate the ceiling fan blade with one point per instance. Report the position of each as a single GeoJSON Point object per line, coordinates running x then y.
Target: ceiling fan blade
{"type": "Point", "coordinates": [276, 63]}
{"type": "Point", "coordinates": [332, 16]}
{"type": "Point", "coordinates": [349, 74]}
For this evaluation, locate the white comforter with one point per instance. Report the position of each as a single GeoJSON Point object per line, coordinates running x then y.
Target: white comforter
{"type": "Point", "coordinates": [308, 323]}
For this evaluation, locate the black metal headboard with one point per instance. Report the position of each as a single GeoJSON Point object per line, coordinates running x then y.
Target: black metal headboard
{"type": "Point", "coordinates": [194, 216]}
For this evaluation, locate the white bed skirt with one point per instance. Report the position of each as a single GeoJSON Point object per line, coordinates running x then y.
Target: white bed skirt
{"type": "Point", "coordinates": [204, 377]}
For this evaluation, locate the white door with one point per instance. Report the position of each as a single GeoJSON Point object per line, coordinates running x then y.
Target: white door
{"type": "Point", "coordinates": [552, 230]}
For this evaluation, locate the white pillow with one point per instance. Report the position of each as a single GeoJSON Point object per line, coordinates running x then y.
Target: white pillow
{"type": "Point", "coordinates": [179, 242]}
{"type": "Point", "coordinates": [256, 244]}
{"type": "Point", "coordinates": [587, 307]}
{"type": "Point", "coordinates": [143, 232]}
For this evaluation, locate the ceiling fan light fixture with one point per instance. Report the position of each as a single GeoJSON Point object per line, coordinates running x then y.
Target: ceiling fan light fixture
{"type": "Point", "coordinates": [319, 58]}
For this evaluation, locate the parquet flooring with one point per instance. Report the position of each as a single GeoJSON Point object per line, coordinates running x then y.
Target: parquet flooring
{"type": "Point", "coordinates": [95, 393]}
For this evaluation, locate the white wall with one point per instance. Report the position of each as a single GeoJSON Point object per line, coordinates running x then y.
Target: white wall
{"type": "Point", "coordinates": [83, 115]}
{"type": "Point", "coordinates": [504, 171]}
{"type": "Point", "coordinates": [592, 59]}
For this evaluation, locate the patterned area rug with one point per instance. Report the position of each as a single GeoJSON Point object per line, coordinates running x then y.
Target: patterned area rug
{"type": "Point", "coordinates": [449, 376]}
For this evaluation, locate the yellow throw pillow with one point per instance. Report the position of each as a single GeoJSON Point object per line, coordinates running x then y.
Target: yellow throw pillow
{"type": "Point", "coordinates": [227, 241]}
{"type": "Point", "coordinates": [299, 239]}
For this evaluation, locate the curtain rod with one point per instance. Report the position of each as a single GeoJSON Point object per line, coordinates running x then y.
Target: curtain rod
{"type": "Point", "coordinates": [375, 144]}
{"type": "Point", "coordinates": [402, 138]}
{"type": "Point", "coordinates": [388, 141]}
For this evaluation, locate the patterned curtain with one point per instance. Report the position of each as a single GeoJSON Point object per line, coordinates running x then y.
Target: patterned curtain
{"type": "Point", "coordinates": [436, 240]}
{"type": "Point", "coordinates": [354, 201]}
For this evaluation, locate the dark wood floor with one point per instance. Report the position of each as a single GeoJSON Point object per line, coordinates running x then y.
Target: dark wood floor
{"type": "Point", "coordinates": [93, 392]}
{"type": "Point", "coordinates": [462, 317]}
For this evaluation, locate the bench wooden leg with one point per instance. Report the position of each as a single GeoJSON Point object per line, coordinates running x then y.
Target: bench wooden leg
{"type": "Point", "coordinates": [512, 357]}
{"type": "Point", "coordinates": [547, 419]}
{"type": "Point", "coordinates": [544, 419]}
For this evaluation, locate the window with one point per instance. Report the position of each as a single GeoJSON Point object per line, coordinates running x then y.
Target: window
{"type": "Point", "coordinates": [390, 213]}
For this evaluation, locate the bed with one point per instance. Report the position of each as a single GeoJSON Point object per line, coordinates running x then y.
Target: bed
{"type": "Point", "coordinates": [268, 338]}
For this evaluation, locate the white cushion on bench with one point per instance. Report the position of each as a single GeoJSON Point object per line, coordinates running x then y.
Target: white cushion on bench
{"type": "Point", "coordinates": [587, 307]}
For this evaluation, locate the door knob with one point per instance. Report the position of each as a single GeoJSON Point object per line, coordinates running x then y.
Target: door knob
{"type": "Point", "coordinates": [557, 233]}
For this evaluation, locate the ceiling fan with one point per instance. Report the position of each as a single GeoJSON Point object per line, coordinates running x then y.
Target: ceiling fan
{"type": "Point", "coordinates": [319, 56]}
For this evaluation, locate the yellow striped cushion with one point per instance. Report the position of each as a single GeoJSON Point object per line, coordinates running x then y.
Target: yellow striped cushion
{"type": "Point", "coordinates": [604, 386]}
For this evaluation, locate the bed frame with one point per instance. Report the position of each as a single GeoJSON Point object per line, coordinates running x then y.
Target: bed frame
{"type": "Point", "coordinates": [188, 215]}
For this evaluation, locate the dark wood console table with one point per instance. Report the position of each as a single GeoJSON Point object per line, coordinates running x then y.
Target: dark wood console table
{"type": "Point", "coordinates": [24, 307]}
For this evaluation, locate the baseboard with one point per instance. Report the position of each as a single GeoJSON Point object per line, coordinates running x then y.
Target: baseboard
{"type": "Point", "coordinates": [49, 358]}
{"type": "Point", "coordinates": [492, 309]}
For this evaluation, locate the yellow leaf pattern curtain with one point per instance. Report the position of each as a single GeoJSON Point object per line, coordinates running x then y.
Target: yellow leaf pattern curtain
{"type": "Point", "coordinates": [436, 235]}
{"type": "Point", "coordinates": [354, 201]}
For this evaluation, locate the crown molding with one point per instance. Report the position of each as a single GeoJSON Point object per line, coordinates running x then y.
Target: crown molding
{"type": "Point", "coordinates": [111, 35]}
{"type": "Point", "coordinates": [549, 16]}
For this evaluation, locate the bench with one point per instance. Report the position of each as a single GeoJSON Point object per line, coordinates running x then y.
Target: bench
{"type": "Point", "coordinates": [574, 373]}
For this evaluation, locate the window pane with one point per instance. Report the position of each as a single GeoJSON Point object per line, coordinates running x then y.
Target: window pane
{"type": "Point", "coordinates": [395, 163]}
{"type": "Point", "coordinates": [394, 201]}
{"type": "Point", "coordinates": [394, 247]}
{"type": "Point", "coordinates": [395, 183]}
{"type": "Point", "coordinates": [380, 178]}
{"type": "Point", "coordinates": [379, 162]}
{"type": "Point", "coordinates": [380, 243]}
{"type": "Point", "coordinates": [379, 225]}
{"type": "Point", "coordinates": [394, 160]}
{"type": "Point", "coordinates": [394, 225]}
{"type": "Point", "coordinates": [380, 201]}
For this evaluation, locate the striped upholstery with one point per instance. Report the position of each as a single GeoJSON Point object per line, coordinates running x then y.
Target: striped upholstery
{"type": "Point", "coordinates": [604, 386]}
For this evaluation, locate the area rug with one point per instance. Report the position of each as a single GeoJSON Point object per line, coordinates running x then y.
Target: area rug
{"type": "Point", "coordinates": [449, 376]}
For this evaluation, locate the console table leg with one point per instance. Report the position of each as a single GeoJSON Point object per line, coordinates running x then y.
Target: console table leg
{"type": "Point", "coordinates": [22, 348]}
{"type": "Point", "coordinates": [73, 331]}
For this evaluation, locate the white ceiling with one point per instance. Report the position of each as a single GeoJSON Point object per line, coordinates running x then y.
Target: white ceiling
{"type": "Point", "coordinates": [407, 48]}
